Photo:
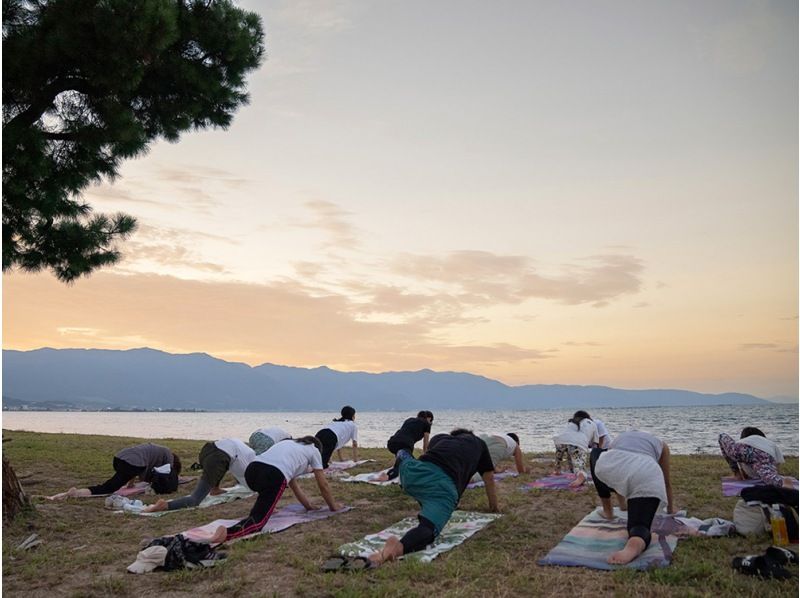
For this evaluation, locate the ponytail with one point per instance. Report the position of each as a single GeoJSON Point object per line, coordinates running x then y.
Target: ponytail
{"type": "Point", "coordinates": [578, 417]}
{"type": "Point", "coordinates": [309, 440]}
{"type": "Point", "coordinates": [348, 413]}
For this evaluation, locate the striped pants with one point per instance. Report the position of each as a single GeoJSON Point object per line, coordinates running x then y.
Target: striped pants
{"type": "Point", "coordinates": [269, 482]}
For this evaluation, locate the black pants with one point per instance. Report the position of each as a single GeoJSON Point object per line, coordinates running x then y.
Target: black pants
{"type": "Point", "coordinates": [641, 511]}
{"type": "Point", "coordinates": [418, 537]}
{"type": "Point", "coordinates": [329, 441]}
{"type": "Point", "coordinates": [124, 472]}
{"type": "Point", "coordinates": [269, 482]}
{"type": "Point", "coordinates": [397, 445]}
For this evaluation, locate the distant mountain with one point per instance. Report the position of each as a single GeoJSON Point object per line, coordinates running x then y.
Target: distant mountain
{"type": "Point", "coordinates": [150, 379]}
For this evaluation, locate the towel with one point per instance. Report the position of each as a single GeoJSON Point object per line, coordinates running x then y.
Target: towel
{"type": "Point", "coordinates": [557, 482]}
{"type": "Point", "coordinates": [734, 487]}
{"type": "Point", "coordinates": [590, 543]}
{"type": "Point", "coordinates": [337, 468]}
{"type": "Point", "coordinates": [371, 478]}
{"type": "Point", "coordinates": [281, 519]}
{"type": "Point", "coordinates": [461, 526]}
{"type": "Point", "coordinates": [233, 493]}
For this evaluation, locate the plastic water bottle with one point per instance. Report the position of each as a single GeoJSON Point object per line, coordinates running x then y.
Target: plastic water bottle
{"type": "Point", "coordinates": [780, 537]}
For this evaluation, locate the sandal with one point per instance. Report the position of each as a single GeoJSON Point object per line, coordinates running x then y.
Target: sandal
{"type": "Point", "coordinates": [334, 563]}
{"type": "Point", "coordinates": [359, 563]}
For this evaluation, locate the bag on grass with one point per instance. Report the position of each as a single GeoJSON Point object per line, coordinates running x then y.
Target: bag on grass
{"type": "Point", "coordinates": [183, 553]}
{"type": "Point", "coordinates": [752, 514]}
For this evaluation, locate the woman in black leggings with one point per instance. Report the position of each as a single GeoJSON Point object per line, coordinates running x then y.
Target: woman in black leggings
{"type": "Point", "coordinates": [636, 468]}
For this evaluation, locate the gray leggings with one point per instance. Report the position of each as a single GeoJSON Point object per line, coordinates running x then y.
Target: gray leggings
{"type": "Point", "coordinates": [194, 499]}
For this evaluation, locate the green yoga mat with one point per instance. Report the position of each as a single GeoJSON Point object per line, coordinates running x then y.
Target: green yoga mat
{"type": "Point", "coordinates": [461, 526]}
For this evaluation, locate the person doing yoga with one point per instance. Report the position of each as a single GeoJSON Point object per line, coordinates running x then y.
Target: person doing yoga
{"type": "Point", "coordinates": [412, 431]}
{"type": "Point", "coordinates": [437, 480]}
{"type": "Point", "coordinates": [269, 473]}
{"type": "Point", "coordinates": [754, 457]}
{"type": "Point", "coordinates": [503, 447]}
{"type": "Point", "coordinates": [217, 459]}
{"type": "Point", "coordinates": [152, 463]}
{"type": "Point", "coordinates": [573, 443]}
{"type": "Point", "coordinates": [263, 438]}
{"type": "Point", "coordinates": [338, 433]}
{"type": "Point", "coordinates": [636, 468]}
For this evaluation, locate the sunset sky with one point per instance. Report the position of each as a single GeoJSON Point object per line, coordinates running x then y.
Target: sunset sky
{"type": "Point", "coordinates": [539, 192]}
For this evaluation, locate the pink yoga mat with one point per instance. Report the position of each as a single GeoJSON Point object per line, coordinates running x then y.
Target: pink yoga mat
{"type": "Point", "coordinates": [734, 487]}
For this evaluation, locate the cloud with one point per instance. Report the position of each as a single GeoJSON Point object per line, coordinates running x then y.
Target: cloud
{"type": "Point", "coordinates": [582, 344]}
{"type": "Point", "coordinates": [776, 347]}
{"type": "Point", "coordinates": [332, 219]}
{"type": "Point", "coordinates": [278, 322]}
{"type": "Point", "coordinates": [483, 277]}
{"type": "Point", "coordinates": [169, 247]}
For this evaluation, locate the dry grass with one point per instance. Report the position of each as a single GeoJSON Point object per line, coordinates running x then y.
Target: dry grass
{"type": "Point", "coordinates": [86, 547]}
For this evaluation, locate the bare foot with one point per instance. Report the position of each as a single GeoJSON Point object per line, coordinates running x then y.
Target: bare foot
{"type": "Point", "coordinates": [392, 550]}
{"type": "Point", "coordinates": [219, 535]}
{"type": "Point", "coordinates": [633, 548]}
{"type": "Point", "coordinates": [159, 505]}
{"type": "Point", "coordinates": [578, 481]}
{"type": "Point", "coordinates": [381, 477]}
{"type": "Point", "coordinates": [216, 491]}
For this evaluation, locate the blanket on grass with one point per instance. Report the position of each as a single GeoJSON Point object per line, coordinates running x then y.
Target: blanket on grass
{"type": "Point", "coordinates": [461, 526]}
{"type": "Point", "coordinates": [733, 487]}
{"type": "Point", "coordinates": [282, 519]}
{"type": "Point", "coordinates": [498, 477]}
{"type": "Point", "coordinates": [233, 493]}
{"type": "Point", "coordinates": [557, 482]}
{"type": "Point", "coordinates": [135, 490]}
{"type": "Point", "coordinates": [373, 477]}
{"type": "Point", "coordinates": [337, 468]}
{"type": "Point", "coordinates": [591, 542]}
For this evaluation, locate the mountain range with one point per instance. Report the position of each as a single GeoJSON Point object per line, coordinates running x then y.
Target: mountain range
{"type": "Point", "coordinates": [150, 379]}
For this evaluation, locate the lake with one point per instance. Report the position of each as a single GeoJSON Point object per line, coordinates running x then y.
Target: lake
{"type": "Point", "coordinates": [687, 430]}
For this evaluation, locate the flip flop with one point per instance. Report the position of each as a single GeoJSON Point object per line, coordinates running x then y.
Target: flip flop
{"type": "Point", "coordinates": [359, 563]}
{"type": "Point", "coordinates": [782, 556]}
{"type": "Point", "coordinates": [334, 563]}
{"type": "Point", "coordinates": [760, 566]}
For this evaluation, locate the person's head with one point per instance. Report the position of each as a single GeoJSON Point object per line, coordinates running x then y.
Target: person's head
{"type": "Point", "coordinates": [176, 464]}
{"type": "Point", "coordinates": [578, 417]}
{"type": "Point", "coordinates": [348, 414]}
{"type": "Point", "coordinates": [752, 431]}
{"type": "Point", "coordinates": [460, 431]}
{"type": "Point", "coordinates": [513, 437]}
{"type": "Point", "coordinates": [426, 415]}
{"type": "Point", "coordinates": [310, 440]}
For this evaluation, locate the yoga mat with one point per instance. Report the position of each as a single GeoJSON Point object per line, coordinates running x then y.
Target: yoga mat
{"type": "Point", "coordinates": [281, 519]}
{"type": "Point", "coordinates": [370, 478]}
{"type": "Point", "coordinates": [591, 542]}
{"type": "Point", "coordinates": [337, 468]}
{"type": "Point", "coordinates": [461, 526]}
{"type": "Point", "coordinates": [135, 490]}
{"type": "Point", "coordinates": [734, 487]}
{"type": "Point", "coordinates": [237, 492]}
{"type": "Point", "coordinates": [557, 482]}
{"type": "Point", "coordinates": [498, 477]}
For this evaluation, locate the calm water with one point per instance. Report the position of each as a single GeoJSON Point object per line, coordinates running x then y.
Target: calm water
{"type": "Point", "coordinates": [687, 430]}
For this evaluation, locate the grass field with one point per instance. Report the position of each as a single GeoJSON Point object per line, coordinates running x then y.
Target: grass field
{"type": "Point", "coordinates": [87, 548]}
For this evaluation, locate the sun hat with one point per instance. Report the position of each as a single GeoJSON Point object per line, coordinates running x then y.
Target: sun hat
{"type": "Point", "coordinates": [148, 559]}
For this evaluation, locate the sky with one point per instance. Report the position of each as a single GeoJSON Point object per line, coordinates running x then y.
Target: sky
{"type": "Point", "coordinates": [538, 192]}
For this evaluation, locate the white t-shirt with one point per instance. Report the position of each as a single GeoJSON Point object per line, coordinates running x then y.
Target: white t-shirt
{"type": "Point", "coordinates": [241, 456]}
{"type": "Point", "coordinates": [764, 444]}
{"type": "Point", "coordinates": [635, 441]}
{"type": "Point", "coordinates": [510, 443]}
{"type": "Point", "coordinates": [345, 432]}
{"type": "Point", "coordinates": [277, 434]}
{"type": "Point", "coordinates": [581, 437]}
{"type": "Point", "coordinates": [292, 458]}
{"type": "Point", "coordinates": [603, 431]}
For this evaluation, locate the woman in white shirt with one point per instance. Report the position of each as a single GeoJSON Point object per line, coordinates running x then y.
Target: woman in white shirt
{"type": "Point", "coordinates": [217, 459]}
{"type": "Point", "coordinates": [636, 468]}
{"type": "Point", "coordinates": [337, 434]}
{"type": "Point", "coordinates": [264, 438]}
{"type": "Point", "coordinates": [754, 457]}
{"type": "Point", "coordinates": [269, 473]}
{"type": "Point", "coordinates": [572, 445]}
